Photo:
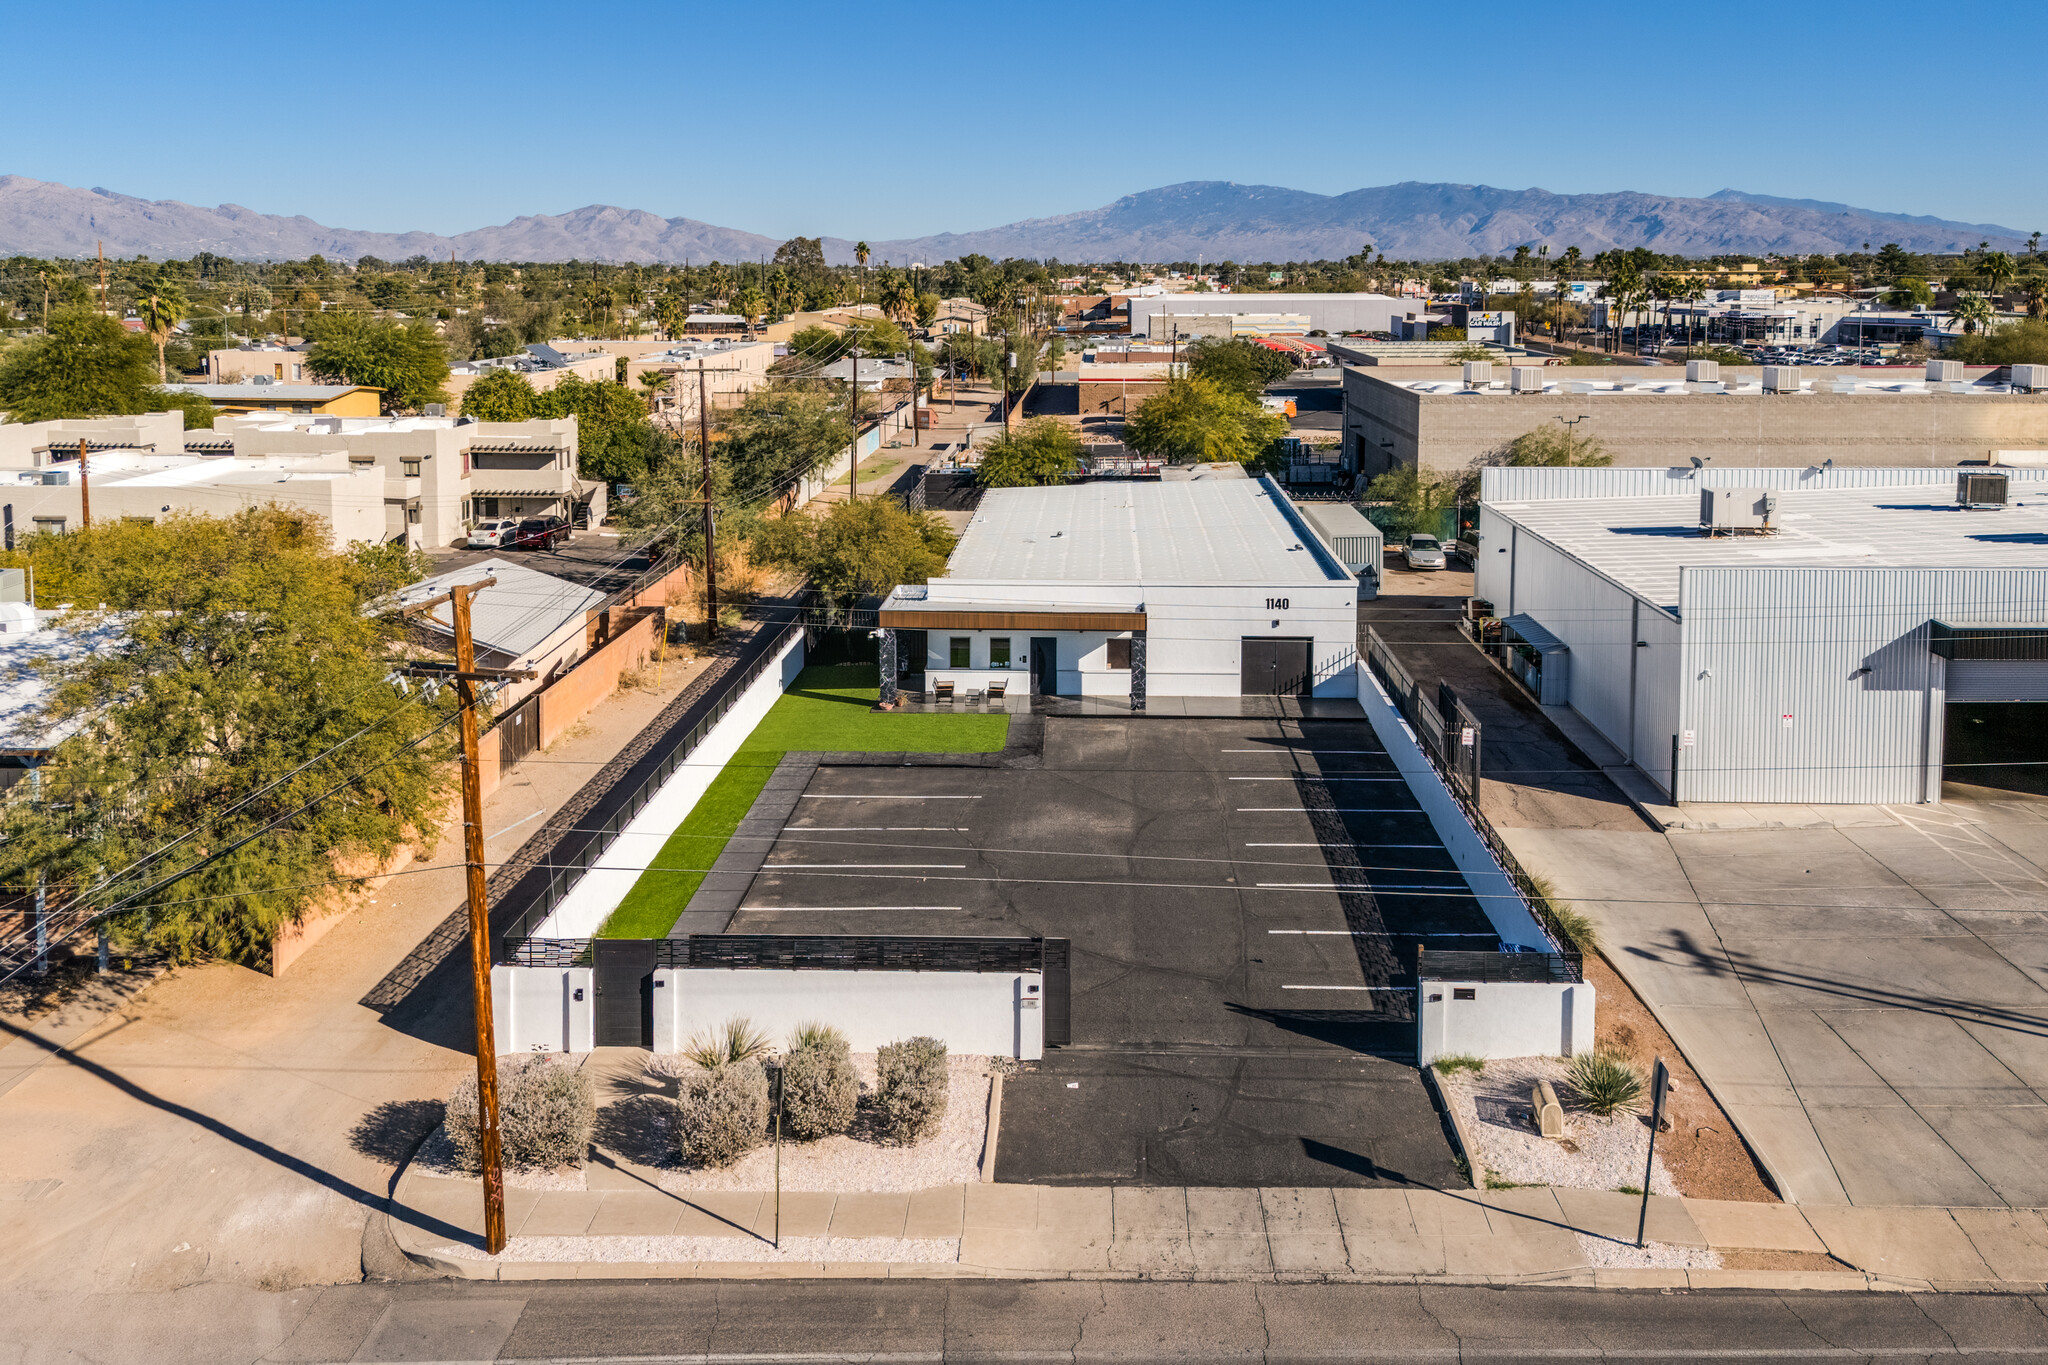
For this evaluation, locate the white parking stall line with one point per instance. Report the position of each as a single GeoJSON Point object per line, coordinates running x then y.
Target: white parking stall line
{"type": "Point", "coordinates": [1369, 933]}
{"type": "Point", "coordinates": [1282, 749]}
{"type": "Point", "coordinates": [875, 829]}
{"type": "Point", "coordinates": [1358, 886]}
{"type": "Point", "coordinates": [1330, 810]}
{"type": "Point", "coordinates": [815, 909]}
{"type": "Point", "coordinates": [785, 867]}
{"type": "Point", "coordinates": [884, 796]}
{"type": "Point", "coordinates": [1345, 846]}
{"type": "Point", "coordinates": [1318, 777]}
{"type": "Point", "coordinates": [1347, 988]}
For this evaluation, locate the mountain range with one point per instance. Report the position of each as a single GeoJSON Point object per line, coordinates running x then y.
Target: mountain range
{"type": "Point", "coordinates": [1210, 220]}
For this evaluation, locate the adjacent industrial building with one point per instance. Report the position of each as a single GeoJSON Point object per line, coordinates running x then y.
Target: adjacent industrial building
{"type": "Point", "coordinates": [1772, 416]}
{"type": "Point", "coordinates": [1159, 315]}
{"type": "Point", "coordinates": [1846, 635]}
{"type": "Point", "coordinates": [1135, 592]}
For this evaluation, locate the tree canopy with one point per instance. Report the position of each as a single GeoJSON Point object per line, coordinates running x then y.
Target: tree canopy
{"type": "Point", "coordinates": [86, 365]}
{"type": "Point", "coordinates": [2022, 343]}
{"type": "Point", "coordinates": [1556, 446]}
{"type": "Point", "coordinates": [1042, 451]}
{"type": "Point", "coordinates": [1237, 364]}
{"type": "Point", "coordinates": [780, 433]}
{"type": "Point", "coordinates": [499, 396]}
{"type": "Point", "coordinates": [240, 689]}
{"type": "Point", "coordinates": [406, 360]}
{"type": "Point", "coordinates": [1194, 419]}
{"type": "Point", "coordinates": [857, 549]}
{"type": "Point", "coordinates": [1418, 501]}
{"type": "Point", "coordinates": [614, 439]}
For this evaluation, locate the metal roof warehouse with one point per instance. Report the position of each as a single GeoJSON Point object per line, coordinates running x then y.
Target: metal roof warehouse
{"type": "Point", "coordinates": [1814, 651]}
{"type": "Point", "coordinates": [1133, 589]}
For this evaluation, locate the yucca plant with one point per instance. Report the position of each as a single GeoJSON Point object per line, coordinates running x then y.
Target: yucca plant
{"type": "Point", "coordinates": [736, 1040]}
{"type": "Point", "coordinates": [817, 1035]}
{"type": "Point", "coordinates": [1604, 1083]}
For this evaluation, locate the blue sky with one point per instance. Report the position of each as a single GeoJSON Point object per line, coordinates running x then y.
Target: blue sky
{"type": "Point", "coordinates": [860, 121]}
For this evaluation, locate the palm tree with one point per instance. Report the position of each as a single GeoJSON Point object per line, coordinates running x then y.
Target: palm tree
{"type": "Point", "coordinates": [161, 310]}
{"type": "Point", "coordinates": [1997, 270]}
{"type": "Point", "coordinates": [2035, 290]}
{"type": "Point", "coordinates": [860, 256]}
{"type": "Point", "coordinates": [1569, 262]}
{"type": "Point", "coordinates": [1973, 311]}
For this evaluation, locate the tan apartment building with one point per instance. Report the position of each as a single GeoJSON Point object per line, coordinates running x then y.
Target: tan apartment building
{"type": "Point", "coordinates": [731, 370]}
{"type": "Point", "coordinates": [419, 480]}
{"type": "Point", "coordinates": [1448, 423]}
{"type": "Point", "coordinates": [279, 364]}
{"type": "Point", "coordinates": [542, 366]}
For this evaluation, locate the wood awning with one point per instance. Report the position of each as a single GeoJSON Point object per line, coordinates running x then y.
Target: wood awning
{"type": "Point", "coordinates": [1013, 620]}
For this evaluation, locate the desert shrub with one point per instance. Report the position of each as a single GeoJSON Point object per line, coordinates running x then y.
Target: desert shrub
{"type": "Point", "coordinates": [722, 1113]}
{"type": "Point", "coordinates": [910, 1089]}
{"type": "Point", "coordinates": [546, 1109]}
{"type": "Point", "coordinates": [819, 1090]}
{"type": "Point", "coordinates": [1604, 1083]}
{"type": "Point", "coordinates": [736, 1040]}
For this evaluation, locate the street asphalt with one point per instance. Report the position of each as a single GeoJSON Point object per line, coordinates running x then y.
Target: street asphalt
{"type": "Point", "coordinates": [1237, 1021]}
{"type": "Point", "coordinates": [793, 1322]}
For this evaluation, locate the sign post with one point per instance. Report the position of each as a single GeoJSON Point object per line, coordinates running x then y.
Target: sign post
{"type": "Point", "coordinates": [1660, 1086]}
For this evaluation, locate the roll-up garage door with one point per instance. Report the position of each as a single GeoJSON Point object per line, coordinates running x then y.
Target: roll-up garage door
{"type": "Point", "coordinates": [1997, 680]}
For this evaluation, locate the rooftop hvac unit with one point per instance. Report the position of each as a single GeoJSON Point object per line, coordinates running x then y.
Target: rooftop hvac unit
{"type": "Point", "coordinates": [1702, 371]}
{"type": "Point", "coordinates": [1780, 379]}
{"type": "Point", "coordinates": [1737, 509]}
{"type": "Point", "coordinates": [1478, 372]}
{"type": "Point", "coordinates": [1525, 379]}
{"type": "Point", "coordinates": [1982, 490]}
{"type": "Point", "coordinates": [2029, 378]}
{"type": "Point", "coordinates": [1944, 371]}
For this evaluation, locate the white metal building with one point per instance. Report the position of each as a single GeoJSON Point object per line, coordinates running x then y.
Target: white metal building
{"type": "Point", "coordinates": [1198, 588]}
{"type": "Point", "coordinates": [1332, 313]}
{"type": "Point", "coordinates": [1874, 640]}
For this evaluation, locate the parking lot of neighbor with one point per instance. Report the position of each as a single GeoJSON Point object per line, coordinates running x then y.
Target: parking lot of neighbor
{"type": "Point", "coordinates": [1244, 900]}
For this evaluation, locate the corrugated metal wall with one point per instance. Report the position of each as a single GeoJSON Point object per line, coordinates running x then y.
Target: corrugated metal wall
{"type": "Point", "coordinates": [1543, 484]}
{"type": "Point", "coordinates": [1774, 686]}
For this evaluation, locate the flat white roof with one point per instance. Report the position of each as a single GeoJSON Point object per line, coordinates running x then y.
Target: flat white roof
{"type": "Point", "coordinates": [1197, 531]}
{"type": "Point", "coordinates": [1641, 543]}
{"type": "Point", "coordinates": [1819, 379]}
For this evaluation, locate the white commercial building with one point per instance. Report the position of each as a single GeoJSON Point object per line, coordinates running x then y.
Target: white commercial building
{"type": "Point", "coordinates": [1184, 588]}
{"type": "Point", "coordinates": [1332, 313]}
{"type": "Point", "coordinates": [1848, 635]}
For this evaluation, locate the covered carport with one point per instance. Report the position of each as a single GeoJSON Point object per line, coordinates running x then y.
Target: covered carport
{"type": "Point", "coordinates": [1994, 723]}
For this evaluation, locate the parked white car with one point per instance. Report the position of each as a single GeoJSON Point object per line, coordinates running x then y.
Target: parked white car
{"type": "Point", "coordinates": [1424, 552]}
{"type": "Point", "coordinates": [494, 534]}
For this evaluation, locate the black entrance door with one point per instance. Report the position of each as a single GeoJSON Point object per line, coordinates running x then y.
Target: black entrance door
{"type": "Point", "coordinates": [624, 973]}
{"type": "Point", "coordinates": [1270, 667]}
{"type": "Point", "coordinates": [910, 651]}
{"type": "Point", "coordinates": [1045, 665]}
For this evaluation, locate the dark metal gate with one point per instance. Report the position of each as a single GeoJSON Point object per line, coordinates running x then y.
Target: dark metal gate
{"type": "Point", "coordinates": [1059, 992]}
{"type": "Point", "coordinates": [519, 731]}
{"type": "Point", "coordinates": [623, 969]}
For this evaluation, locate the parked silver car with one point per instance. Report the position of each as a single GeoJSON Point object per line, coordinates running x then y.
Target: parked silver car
{"type": "Point", "coordinates": [1424, 552]}
{"type": "Point", "coordinates": [494, 534]}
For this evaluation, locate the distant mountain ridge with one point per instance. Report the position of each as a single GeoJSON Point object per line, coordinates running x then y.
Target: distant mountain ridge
{"type": "Point", "coordinates": [1210, 220]}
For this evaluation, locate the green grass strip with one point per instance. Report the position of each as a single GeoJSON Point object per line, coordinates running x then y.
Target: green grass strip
{"type": "Point", "coordinates": [827, 708]}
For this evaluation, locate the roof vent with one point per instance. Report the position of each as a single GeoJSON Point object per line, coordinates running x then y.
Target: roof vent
{"type": "Point", "coordinates": [1781, 379]}
{"type": "Point", "coordinates": [1981, 490]}
{"type": "Point", "coordinates": [2029, 378]}
{"type": "Point", "coordinates": [1702, 371]}
{"type": "Point", "coordinates": [436, 410]}
{"type": "Point", "coordinates": [1525, 379]}
{"type": "Point", "coordinates": [1478, 373]}
{"type": "Point", "coordinates": [1944, 371]}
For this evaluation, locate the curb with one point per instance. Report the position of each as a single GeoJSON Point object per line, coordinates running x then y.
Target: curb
{"type": "Point", "coordinates": [1444, 1106]}
{"type": "Point", "coordinates": [995, 1123]}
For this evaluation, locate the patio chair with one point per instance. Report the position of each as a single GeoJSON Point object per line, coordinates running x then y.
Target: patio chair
{"type": "Point", "coordinates": [942, 690]}
{"type": "Point", "coordinates": [997, 688]}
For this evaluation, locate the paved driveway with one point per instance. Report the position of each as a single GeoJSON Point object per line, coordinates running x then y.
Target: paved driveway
{"type": "Point", "coordinates": [1868, 997]}
{"type": "Point", "coordinates": [1235, 1020]}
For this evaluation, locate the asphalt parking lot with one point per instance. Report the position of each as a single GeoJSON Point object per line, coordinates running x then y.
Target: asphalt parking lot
{"type": "Point", "coordinates": [1238, 1019]}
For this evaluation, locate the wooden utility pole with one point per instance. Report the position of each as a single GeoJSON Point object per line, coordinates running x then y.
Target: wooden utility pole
{"type": "Point", "coordinates": [710, 519]}
{"type": "Point", "coordinates": [466, 675]}
{"type": "Point", "coordinates": [853, 402]}
{"type": "Point", "coordinates": [84, 488]}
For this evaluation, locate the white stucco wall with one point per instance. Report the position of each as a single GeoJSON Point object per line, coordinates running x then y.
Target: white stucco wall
{"type": "Point", "coordinates": [600, 889]}
{"type": "Point", "coordinates": [1505, 1019]}
{"type": "Point", "coordinates": [992, 1013]}
{"type": "Point", "coordinates": [536, 1009]}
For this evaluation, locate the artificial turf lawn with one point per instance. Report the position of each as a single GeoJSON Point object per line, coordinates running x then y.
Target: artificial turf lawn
{"type": "Point", "coordinates": [825, 708]}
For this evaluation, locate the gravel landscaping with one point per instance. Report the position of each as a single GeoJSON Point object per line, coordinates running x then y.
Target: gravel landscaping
{"type": "Point", "coordinates": [951, 1156]}
{"type": "Point", "coordinates": [1596, 1153]}
{"type": "Point", "coordinates": [1603, 1254]}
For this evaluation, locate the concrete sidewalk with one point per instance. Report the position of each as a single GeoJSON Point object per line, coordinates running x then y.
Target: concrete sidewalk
{"type": "Point", "coordinates": [1531, 1235]}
